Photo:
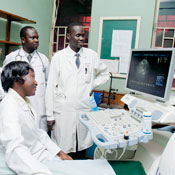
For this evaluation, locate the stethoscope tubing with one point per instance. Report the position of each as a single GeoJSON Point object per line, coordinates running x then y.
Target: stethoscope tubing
{"type": "Point", "coordinates": [18, 55]}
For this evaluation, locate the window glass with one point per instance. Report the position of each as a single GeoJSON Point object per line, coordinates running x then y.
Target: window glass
{"type": "Point", "coordinates": [165, 29]}
{"type": "Point", "coordinates": [168, 43]}
{"type": "Point", "coordinates": [159, 37]}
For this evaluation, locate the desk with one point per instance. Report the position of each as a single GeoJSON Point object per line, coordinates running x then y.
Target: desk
{"type": "Point", "coordinates": [111, 106]}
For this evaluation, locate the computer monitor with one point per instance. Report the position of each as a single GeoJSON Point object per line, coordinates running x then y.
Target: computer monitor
{"type": "Point", "coordinates": [150, 72]}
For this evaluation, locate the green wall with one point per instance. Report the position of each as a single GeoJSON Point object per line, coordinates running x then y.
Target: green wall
{"type": "Point", "coordinates": [37, 10]}
{"type": "Point", "coordinates": [115, 8]}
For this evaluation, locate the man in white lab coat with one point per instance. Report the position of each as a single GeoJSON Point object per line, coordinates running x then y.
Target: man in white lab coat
{"type": "Point", "coordinates": [25, 148]}
{"type": "Point", "coordinates": [74, 72]}
{"type": "Point", "coordinates": [40, 63]}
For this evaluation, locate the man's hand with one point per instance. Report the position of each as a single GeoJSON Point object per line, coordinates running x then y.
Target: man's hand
{"type": "Point", "coordinates": [64, 156]}
{"type": "Point", "coordinates": [50, 124]}
{"type": "Point", "coordinates": [90, 94]}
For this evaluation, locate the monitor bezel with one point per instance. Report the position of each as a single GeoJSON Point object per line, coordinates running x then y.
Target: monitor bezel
{"type": "Point", "coordinates": [169, 79]}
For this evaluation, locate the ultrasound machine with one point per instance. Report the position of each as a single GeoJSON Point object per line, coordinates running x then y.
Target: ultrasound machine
{"type": "Point", "coordinates": [149, 82]}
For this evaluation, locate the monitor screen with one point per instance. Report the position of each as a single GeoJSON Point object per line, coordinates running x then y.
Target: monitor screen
{"type": "Point", "coordinates": [151, 72]}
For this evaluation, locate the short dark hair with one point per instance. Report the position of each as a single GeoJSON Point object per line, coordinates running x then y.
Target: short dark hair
{"type": "Point", "coordinates": [14, 71]}
{"type": "Point", "coordinates": [24, 29]}
{"type": "Point", "coordinates": [71, 25]}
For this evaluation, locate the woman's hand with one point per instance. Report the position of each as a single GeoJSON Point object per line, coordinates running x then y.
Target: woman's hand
{"type": "Point", "coordinates": [64, 156]}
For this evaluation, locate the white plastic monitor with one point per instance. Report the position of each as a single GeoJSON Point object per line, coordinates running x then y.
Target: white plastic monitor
{"type": "Point", "coordinates": [150, 72]}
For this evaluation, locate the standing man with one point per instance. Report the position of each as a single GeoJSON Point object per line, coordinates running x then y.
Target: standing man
{"type": "Point", "coordinates": [75, 71]}
{"type": "Point", "coordinates": [40, 63]}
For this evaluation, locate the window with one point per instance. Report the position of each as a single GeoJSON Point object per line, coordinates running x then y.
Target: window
{"type": "Point", "coordinates": [60, 41]}
{"type": "Point", "coordinates": [164, 31]}
{"type": "Point", "coordinates": [70, 11]}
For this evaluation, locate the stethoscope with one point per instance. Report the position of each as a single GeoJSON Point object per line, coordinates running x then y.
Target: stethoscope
{"type": "Point", "coordinates": [20, 58]}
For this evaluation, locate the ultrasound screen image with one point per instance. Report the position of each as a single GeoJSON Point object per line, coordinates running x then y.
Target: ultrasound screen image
{"type": "Point", "coordinates": [148, 71]}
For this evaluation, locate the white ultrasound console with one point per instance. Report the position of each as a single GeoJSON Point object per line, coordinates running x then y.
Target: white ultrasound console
{"type": "Point", "coordinates": [161, 112]}
{"type": "Point", "coordinates": [115, 128]}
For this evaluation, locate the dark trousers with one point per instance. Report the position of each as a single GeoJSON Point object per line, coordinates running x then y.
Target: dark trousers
{"type": "Point", "coordinates": [78, 154]}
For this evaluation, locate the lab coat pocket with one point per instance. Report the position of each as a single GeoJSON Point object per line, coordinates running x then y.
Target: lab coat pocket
{"type": "Point", "coordinates": [58, 103]}
{"type": "Point", "coordinates": [88, 78]}
{"type": "Point", "coordinates": [88, 72]}
{"type": "Point", "coordinates": [85, 76]}
{"type": "Point", "coordinates": [59, 99]}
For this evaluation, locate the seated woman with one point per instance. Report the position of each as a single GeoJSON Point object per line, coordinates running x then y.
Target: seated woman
{"type": "Point", "coordinates": [27, 148]}
{"type": "Point", "coordinates": [24, 143]}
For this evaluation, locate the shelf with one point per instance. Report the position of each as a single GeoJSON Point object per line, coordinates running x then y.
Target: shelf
{"type": "Point", "coordinates": [12, 17]}
{"type": "Point", "coordinates": [10, 43]}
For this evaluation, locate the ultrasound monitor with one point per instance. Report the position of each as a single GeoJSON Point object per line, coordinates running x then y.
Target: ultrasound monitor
{"type": "Point", "coordinates": [150, 72]}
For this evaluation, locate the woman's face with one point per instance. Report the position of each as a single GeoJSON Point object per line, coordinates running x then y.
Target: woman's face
{"type": "Point", "coordinates": [30, 84]}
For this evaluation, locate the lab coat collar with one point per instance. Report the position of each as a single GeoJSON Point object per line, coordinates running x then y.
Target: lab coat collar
{"type": "Point", "coordinates": [25, 54]}
{"type": "Point", "coordinates": [71, 54]}
{"type": "Point", "coordinates": [24, 103]}
{"type": "Point", "coordinates": [22, 52]}
{"type": "Point", "coordinates": [20, 100]}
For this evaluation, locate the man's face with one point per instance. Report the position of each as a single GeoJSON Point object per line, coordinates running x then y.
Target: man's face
{"type": "Point", "coordinates": [30, 84]}
{"type": "Point", "coordinates": [76, 37]}
{"type": "Point", "coordinates": [31, 40]}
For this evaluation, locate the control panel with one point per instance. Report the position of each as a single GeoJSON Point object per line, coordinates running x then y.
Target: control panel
{"type": "Point", "coordinates": [161, 112]}
{"type": "Point", "coordinates": [115, 128]}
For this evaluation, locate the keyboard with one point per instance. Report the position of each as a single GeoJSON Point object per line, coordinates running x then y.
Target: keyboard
{"type": "Point", "coordinates": [115, 123]}
{"type": "Point", "coordinates": [114, 128]}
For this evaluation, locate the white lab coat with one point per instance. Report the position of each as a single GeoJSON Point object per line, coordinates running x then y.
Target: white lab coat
{"type": "Point", "coordinates": [2, 93]}
{"type": "Point", "coordinates": [25, 145]}
{"type": "Point", "coordinates": [67, 95]}
{"type": "Point", "coordinates": [167, 160]}
{"type": "Point", "coordinates": [38, 101]}
{"type": "Point", "coordinates": [28, 150]}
